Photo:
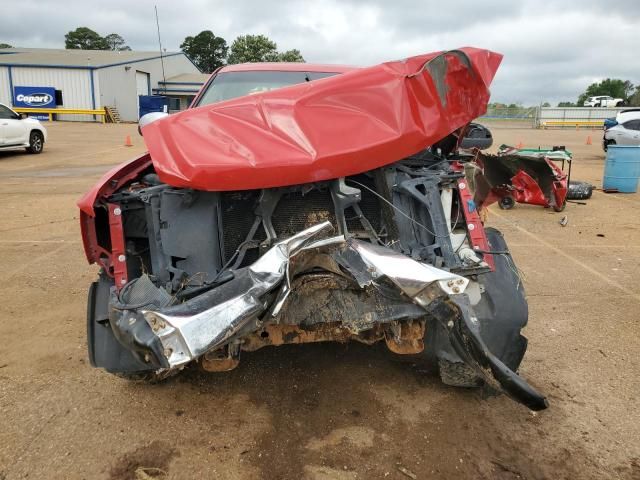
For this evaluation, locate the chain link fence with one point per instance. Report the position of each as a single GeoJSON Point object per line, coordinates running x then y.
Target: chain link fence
{"type": "Point", "coordinates": [547, 117]}
{"type": "Point", "coordinates": [518, 117]}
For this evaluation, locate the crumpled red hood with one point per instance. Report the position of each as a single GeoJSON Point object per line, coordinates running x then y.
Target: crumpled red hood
{"type": "Point", "coordinates": [325, 129]}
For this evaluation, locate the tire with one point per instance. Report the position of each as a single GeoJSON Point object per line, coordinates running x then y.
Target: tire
{"type": "Point", "coordinates": [36, 142]}
{"type": "Point", "coordinates": [458, 374]}
{"type": "Point", "coordinates": [147, 377]}
{"type": "Point", "coordinates": [502, 313]}
{"type": "Point", "coordinates": [579, 190]}
{"type": "Point", "coordinates": [560, 208]}
{"type": "Point", "coordinates": [507, 203]}
{"type": "Point", "coordinates": [605, 145]}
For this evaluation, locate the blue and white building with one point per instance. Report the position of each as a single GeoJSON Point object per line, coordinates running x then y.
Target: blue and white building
{"type": "Point", "coordinates": [92, 79]}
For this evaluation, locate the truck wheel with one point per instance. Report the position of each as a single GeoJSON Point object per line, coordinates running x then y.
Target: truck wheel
{"type": "Point", "coordinates": [36, 142]}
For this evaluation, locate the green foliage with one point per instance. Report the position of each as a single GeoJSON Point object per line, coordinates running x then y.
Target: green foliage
{"type": "Point", "coordinates": [566, 104]}
{"type": "Point", "coordinates": [634, 100]}
{"type": "Point", "coordinates": [206, 50]}
{"type": "Point", "coordinates": [546, 104]}
{"type": "Point", "coordinates": [5, 45]}
{"type": "Point", "coordinates": [116, 43]}
{"type": "Point", "coordinates": [259, 48]}
{"type": "Point", "coordinates": [613, 87]}
{"type": "Point", "coordinates": [291, 56]}
{"type": "Point", "coordinates": [253, 48]}
{"type": "Point", "coordinates": [83, 38]}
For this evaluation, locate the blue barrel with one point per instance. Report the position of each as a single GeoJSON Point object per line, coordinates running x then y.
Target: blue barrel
{"type": "Point", "coordinates": [622, 168]}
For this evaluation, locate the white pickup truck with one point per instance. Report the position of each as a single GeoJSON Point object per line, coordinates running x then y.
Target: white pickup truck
{"type": "Point", "coordinates": [603, 101]}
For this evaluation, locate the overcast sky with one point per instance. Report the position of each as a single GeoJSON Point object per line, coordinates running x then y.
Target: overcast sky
{"type": "Point", "coordinates": [552, 50]}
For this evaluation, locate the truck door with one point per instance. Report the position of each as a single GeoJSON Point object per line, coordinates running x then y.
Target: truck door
{"type": "Point", "coordinates": [12, 130]}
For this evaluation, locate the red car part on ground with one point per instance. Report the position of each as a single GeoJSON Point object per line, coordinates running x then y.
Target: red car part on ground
{"type": "Point", "coordinates": [521, 179]}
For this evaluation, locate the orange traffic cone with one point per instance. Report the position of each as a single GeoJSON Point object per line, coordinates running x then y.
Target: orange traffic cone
{"type": "Point", "coordinates": [520, 145]}
{"type": "Point", "coordinates": [127, 141]}
{"type": "Point", "coordinates": [589, 140]}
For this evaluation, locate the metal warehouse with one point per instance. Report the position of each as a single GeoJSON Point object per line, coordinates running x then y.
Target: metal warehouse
{"type": "Point", "coordinates": [93, 79]}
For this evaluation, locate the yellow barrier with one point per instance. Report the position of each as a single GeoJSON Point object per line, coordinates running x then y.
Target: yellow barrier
{"type": "Point", "coordinates": [573, 123]}
{"type": "Point", "coordinates": [62, 111]}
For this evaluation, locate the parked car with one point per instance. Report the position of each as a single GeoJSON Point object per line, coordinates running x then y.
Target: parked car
{"type": "Point", "coordinates": [603, 101]}
{"type": "Point", "coordinates": [298, 203]}
{"type": "Point", "coordinates": [624, 131]}
{"type": "Point", "coordinates": [627, 114]}
{"type": "Point", "coordinates": [20, 131]}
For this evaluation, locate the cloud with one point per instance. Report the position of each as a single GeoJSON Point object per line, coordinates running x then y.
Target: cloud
{"type": "Point", "coordinates": [553, 50]}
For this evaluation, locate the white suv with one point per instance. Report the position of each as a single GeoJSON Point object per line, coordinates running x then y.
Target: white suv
{"type": "Point", "coordinates": [20, 131]}
{"type": "Point", "coordinates": [626, 130]}
{"type": "Point", "coordinates": [603, 101]}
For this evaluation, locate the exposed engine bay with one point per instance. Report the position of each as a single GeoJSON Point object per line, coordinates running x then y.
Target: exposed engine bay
{"type": "Point", "coordinates": [383, 256]}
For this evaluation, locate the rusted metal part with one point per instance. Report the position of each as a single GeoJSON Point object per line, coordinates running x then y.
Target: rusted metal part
{"type": "Point", "coordinates": [405, 338]}
{"type": "Point", "coordinates": [278, 334]}
{"type": "Point", "coordinates": [219, 361]}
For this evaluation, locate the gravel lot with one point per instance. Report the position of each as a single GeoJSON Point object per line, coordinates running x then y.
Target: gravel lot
{"type": "Point", "coordinates": [320, 411]}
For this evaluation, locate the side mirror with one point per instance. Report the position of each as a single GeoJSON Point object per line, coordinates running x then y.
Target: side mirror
{"type": "Point", "coordinates": [23, 115]}
{"type": "Point", "coordinates": [150, 118]}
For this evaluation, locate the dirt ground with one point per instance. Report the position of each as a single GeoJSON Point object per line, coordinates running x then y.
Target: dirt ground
{"type": "Point", "coordinates": [321, 411]}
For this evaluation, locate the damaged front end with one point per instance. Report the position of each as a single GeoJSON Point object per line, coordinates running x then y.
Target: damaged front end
{"type": "Point", "coordinates": [389, 251]}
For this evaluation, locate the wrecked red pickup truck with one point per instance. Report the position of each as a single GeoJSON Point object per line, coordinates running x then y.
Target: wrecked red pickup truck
{"type": "Point", "coordinates": [297, 203]}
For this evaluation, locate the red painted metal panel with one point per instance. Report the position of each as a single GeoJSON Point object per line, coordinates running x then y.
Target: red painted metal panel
{"type": "Point", "coordinates": [118, 258]}
{"type": "Point", "coordinates": [325, 129]}
{"type": "Point", "coordinates": [475, 229]}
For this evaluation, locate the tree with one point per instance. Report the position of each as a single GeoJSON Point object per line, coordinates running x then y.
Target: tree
{"type": "Point", "coordinates": [634, 100]}
{"type": "Point", "coordinates": [206, 50]}
{"type": "Point", "coordinates": [546, 104]}
{"type": "Point", "coordinates": [5, 45]}
{"type": "Point", "coordinates": [253, 48]}
{"type": "Point", "coordinates": [566, 104]}
{"type": "Point", "coordinates": [116, 43]}
{"type": "Point", "coordinates": [613, 87]}
{"type": "Point", "coordinates": [84, 38]}
{"type": "Point", "coordinates": [259, 48]}
{"type": "Point", "coordinates": [291, 56]}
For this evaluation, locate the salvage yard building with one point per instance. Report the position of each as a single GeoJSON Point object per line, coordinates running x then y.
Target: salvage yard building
{"type": "Point", "coordinates": [93, 79]}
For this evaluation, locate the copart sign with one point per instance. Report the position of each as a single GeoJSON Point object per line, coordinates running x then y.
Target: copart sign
{"type": "Point", "coordinates": [34, 97]}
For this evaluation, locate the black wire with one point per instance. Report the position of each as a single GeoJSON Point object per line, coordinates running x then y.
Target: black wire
{"type": "Point", "coordinates": [349, 180]}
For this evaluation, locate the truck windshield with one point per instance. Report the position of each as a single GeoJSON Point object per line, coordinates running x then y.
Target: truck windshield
{"type": "Point", "coordinates": [228, 85]}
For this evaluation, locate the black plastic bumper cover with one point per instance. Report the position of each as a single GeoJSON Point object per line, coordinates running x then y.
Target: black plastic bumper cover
{"type": "Point", "coordinates": [464, 335]}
